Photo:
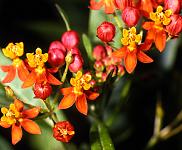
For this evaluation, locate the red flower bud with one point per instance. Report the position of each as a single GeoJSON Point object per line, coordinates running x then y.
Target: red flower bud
{"type": "Point", "coordinates": [107, 61]}
{"type": "Point", "coordinates": [109, 50]}
{"type": "Point", "coordinates": [57, 45]}
{"type": "Point", "coordinates": [75, 51]}
{"type": "Point", "coordinates": [63, 131]}
{"type": "Point", "coordinates": [42, 90]}
{"type": "Point", "coordinates": [175, 27]}
{"type": "Point", "coordinates": [106, 31]}
{"type": "Point", "coordinates": [98, 65]}
{"type": "Point", "coordinates": [122, 4]}
{"type": "Point", "coordinates": [99, 52]}
{"type": "Point", "coordinates": [111, 68]}
{"type": "Point", "coordinates": [70, 39]}
{"type": "Point", "coordinates": [104, 77]}
{"type": "Point", "coordinates": [121, 70]}
{"type": "Point", "coordinates": [130, 16]}
{"type": "Point", "coordinates": [76, 64]}
{"type": "Point", "coordinates": [173, 5]}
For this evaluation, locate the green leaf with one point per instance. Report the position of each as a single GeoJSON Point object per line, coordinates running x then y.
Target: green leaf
{"type": "Point", "coordinates": [88, 46]}
{"type": "Point", "coordinates": [4, 145]}
{"type": "Point", "coordinates": [100, 138]}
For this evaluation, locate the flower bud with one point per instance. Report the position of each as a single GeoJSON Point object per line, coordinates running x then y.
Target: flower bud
{"type": "Point", "coordinates": [63, 131]}
{"type": "Point", "coordinates": [98, 66]}
{"type": "Point", "coordinates": [76, 64]}
{"type": "Point", "coordinates": [122, 4]}
{"type": "Point", "coordinates": [75, 51]}
{"type": "Point", "coordinates": [121, 70]}
{"type": "Point", "coordinates": [175, 27]}
{"type": "Point", "coordinates": [106, 32]}
{"type": "Point", "coordinates": [130, 16]}
{"type": "Point", "coordinates": [108, 50]}
{"type": "Point", "coordinates": [173, 5]}
{"type": "Point", "coordinates": [57, 45]}
{"type": "Point", "coordinates": [42, 90]}
{"type": "Point", "coordinates": [70, 39]}
{"type": "Point", "coordinates": [104, 77]}
{"type": "Point", "coordinates": [99, 52]}
{"type": "Point", "coordinates": [110, 69]}
{"type": "Point", "coordinates": [107, 61]}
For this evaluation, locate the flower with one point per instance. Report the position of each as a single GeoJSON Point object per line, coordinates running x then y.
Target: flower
{"type": "Point", "coordinates": [109, 5]}
{"type": "Point", "coordinates": [17, 117]}
{"type": "Point", "coordinates": [99, 52]}
{"type": "Point", "coordinates": [106, 31]}
{"type": "Point", "coordinates": [39, 73]}
{"type": "Point", "coordinates": [14, 51]}
{"type": "Point", "coordinates": [63, 131]}
{"type": "Point", "coordinates": [132, 49]}
{"type": "Point", "coordinates": [156, 27]}
{"type": "Point", "coordinates": [78, 93]}
{"type": "Point", "coordinates": [122, 4]}
{"type": "Point", "coordinates": [173, 5]}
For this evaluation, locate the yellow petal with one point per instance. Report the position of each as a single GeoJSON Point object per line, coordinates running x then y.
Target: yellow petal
{"type": "Point", "coordinates": [73, 81]}
{"type": "Point", "coordinates": [159, 9]}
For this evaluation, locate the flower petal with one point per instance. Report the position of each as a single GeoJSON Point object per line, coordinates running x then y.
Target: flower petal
{"type": "Point", "coordinates": [6, 68]}
{"type": "Point", "coordinates": [81, 104]}
{"type": "Point", "coordinates": [22, 72]}
{"type": "Point", "coordinates": [96, 5]}
{"type": "Point", "coordinates": [147, 25]}
{"type": "Point", "coordinates": [30, 126]}
{"type": "Point", "coordinates": [66, 91]}
{"type": "Point", "coordinates": [91, 95]}
{"type": "Point", "coordinates": [67, 101]}
{"type": "Point", "coordinates": [31, 113]}
{"type": "Point", "coordinates": [160, 40]}
{"type": "Point", "coordinates": [142, 57]}
{"type": "Point", "coordinates": [130, 62]}
{"type": "Point", "coordinates": [146, 45]}
{"type": "Point", "coordinates": [52, 80]}
{"type": "Point", "coordinates": [109, 7]}
{"type": "Point", "coordinates": [119, 53]}
{"type": "Point", "coordinates": [10, 75]}
{"type": "Point", "coordinates": [31, 79]}
{"type": "Point", "coordinates": [16, 133]}
{"type": "Point", "coordinates": [4, 124]}
{"type": "Point", "coordinates": [19, 105]}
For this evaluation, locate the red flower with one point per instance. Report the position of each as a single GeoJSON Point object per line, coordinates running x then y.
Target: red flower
{"type": "Point", "coordinates": [63, 131]}
{"type": "Point", "coordinates": [130, 52]}
{"type": "Point", "coordinates": [78, 93]}
{"type": "Point", "coordinates": [17, 117]}
{"type": "Point", "coordinates": [173, 5]}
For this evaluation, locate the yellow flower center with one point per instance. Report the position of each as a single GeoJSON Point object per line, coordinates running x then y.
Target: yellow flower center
{"type": "Point", "coordinates": [81, 82]}
{"type": "Point", "coordinates": [65, 132]}
{"type": "Point", "coordinates": [130, 38]}
{"type": "Point", "coordinates": [14, 50]}
{"type": "Point", "coordinates": [17, 62]}
{"type": "Point", "coordinates": [38, 59]}
{"type": "Point", "coordinates": [161, 17]}
{"type": "Point", "coordinates": [11, 115]}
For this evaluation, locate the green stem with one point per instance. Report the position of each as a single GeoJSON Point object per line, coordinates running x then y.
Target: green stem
{"type": "Point", "coordinates": [117, 21]}
{"type": "Point", "coordinates": [63, 16]}
{"type": "Point", "coordinates": [65, 72]}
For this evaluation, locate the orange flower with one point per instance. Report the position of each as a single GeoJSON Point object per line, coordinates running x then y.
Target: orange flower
{"type": "Point", "coordinates": [156, 28]}
{"type": "Point", "coordinates": [109, 5]}
{"type": "Point", "coordinates": [14, 51]}
{"type": "Point", "coordinates": [17, 117]}
{"type": "Point", "coordinates": [39, 73]}
{"type": "Point", "coordinates": [131, 51]}
{"type": "Point", "coordinates": [78, 93]}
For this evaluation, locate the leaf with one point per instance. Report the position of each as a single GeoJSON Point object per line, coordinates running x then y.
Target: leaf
{"type": "Point", "coordinates": [4, 145]}
{"type": "Point", "coordinates": [100, 138]}
{"type": "Point", "coordinates": [87, 45]}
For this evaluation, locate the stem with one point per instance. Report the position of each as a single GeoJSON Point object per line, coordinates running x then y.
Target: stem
{"type": "Point", "coordinates": [59, 9]}
{"type": "Point", "coordinates": [65, 73]}
{"type": "Point", "coordinates": [117, 21]}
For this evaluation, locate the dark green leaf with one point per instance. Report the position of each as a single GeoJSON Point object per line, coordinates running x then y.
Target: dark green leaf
{"type": "Point", "coordinates": [87, 45]}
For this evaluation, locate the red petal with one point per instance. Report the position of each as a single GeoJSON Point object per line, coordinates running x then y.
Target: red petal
{"type": "Point", "coordinates": [130, 62]}
{"type": "Point", "coordinates": [147, 25]}
{"type": "Point", "coordinates": [67, 101]}
{"type": "Point", "coordinates": [16, 134]}
{"type": "Point", "coordinates": [4, 124]}
{"type": "Point", "coordinates": [6, 68]}
{"type": "Point", "coordinates": [19, 105]}
{"type": "Point", "coordinates": [96, 5]}
{"type": "Point", "coordinates": [52, 80]}
{"type": "Point", "coordinates": [10, 75]}
{"type": "Point", "coordinates": [53, 70]}
{"type": "Point", "coordinates": [31, 79]}
{"type": "Point", "coordinates": [31, 113]}
{"type": "Point", "coordinates": [142, 57]}
{"type": "Point", "coordinates": [146, 45]}
{"type": "Point", "coordinates": [81, 104]}
{"type": "Point", "coordinates": [30, 126]}
{"type": "Point", "coordinates": [160, 40]}
{"type": "Point", "coordinates": [91, 95]}
{"type": "Point", "coordinates": [66, 91]}
{"type": "Point", "coordinates": [22, 72]}
{"type": "Point", "coordinates": [119, 53]}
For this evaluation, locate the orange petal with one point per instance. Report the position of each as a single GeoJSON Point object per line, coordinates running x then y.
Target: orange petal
{"type": "Point", "coordinates": [160, 40]}
{"type": "Point", "coordinates": [22, 72]}
{"type": "Point", "coordinates": [31, 79]}
{"type": "Point", "coordinates": [147, 25]}
{"type": "Point", "coordinates": [31, 113]}
{"type": "Point", "coordinates": [146, 45]}
{"type": "Point", "coordinates": [130, 62]}
{"type": "Point", "coordinates": [96, 5]}
{"type": "Point", "coordinates": [30, 126]}
{"type": "Point", "coordinates": [6, 68]}
{"type": "Point", "coordinates": [4, 124]}
{"type": "Point", "coordinates": [109, 7]}
{"type": "Point", "coordinates": [81, 104]}
{"type": "Point", "coordinates": [10, 75]}
{"type": "Point", "coordinates": [151, 34]}
{"type": "Point", "coordinates": [16, 133]}
{"type": "Point", "coordinates": [91, 95]}
{"type": "Point", "coordinates": [66, 91]}
{"type": "Point", "coordinates": [142, 57]}
{"type": "Point", "coordinates": [119, 53]}
{"type": "Point", "coordinates": [52, 80]}
{"type": "Point", "coordinates": [146, 7]}
{"type": "Point", "coordinates": [67, 101]}
{"type": "Point", "coordinates": [19, 105]}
